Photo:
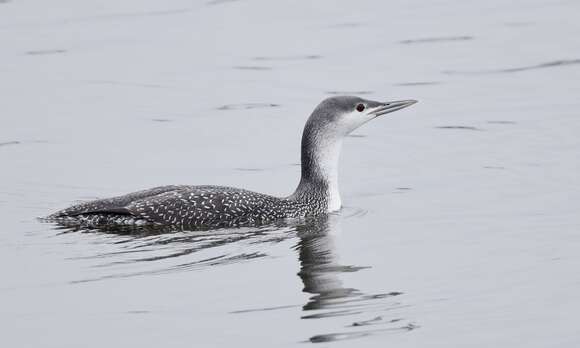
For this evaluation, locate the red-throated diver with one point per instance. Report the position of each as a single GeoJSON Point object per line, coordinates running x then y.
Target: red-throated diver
{"type": "Point", "coordinates": [218, 206]}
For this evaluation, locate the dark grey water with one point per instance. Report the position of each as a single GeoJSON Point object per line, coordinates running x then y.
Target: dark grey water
{"type": "Point", "coordinates": [461, 224]}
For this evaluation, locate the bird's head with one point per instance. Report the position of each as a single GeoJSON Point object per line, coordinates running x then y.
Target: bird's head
{"type": "Point", "coordinates": [338, 116]}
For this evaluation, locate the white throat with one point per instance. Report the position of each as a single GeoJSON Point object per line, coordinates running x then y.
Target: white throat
{"type": "Point", "coordinates": [327, 166]}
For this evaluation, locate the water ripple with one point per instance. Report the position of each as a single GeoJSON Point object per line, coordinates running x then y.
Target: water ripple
{"type": "Point", "coordinates": [361, 92]}
{"type": "Point", "coordinates": [218, 2]}
{"type": "Point", "coordinates": [419, 83]}
{"type": "Point", "coordinates": [340, 336]}
{"type": "Point", "coordinates": [247, 106]}
{"type": "Point", "coordinates": [460, 128]}
{"type": "Point", "coordinates": [44, 52]}
{"type": "Point", "coordinates": [436, 39]}
{"type": "Point", "coordinates": [15, 142]}
{"type": "Point", "coordinates": [551, 64]}
{"type": "Point", "coordinates": [140, 250]}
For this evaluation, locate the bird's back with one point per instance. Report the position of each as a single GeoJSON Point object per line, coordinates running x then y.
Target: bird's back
{"type": "Point", "coordinates": [197, 206]}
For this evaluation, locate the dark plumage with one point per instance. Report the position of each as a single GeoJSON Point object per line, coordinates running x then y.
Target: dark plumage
{"type": "Point", "coordinates": [201, 206]}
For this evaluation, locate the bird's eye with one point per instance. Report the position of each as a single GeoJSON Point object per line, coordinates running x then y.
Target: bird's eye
{"type": "Point", "coordinates": [360, 107]}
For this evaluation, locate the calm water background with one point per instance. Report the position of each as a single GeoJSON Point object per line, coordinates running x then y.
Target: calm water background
{"type": "Point", "coordinates": [461, 223]}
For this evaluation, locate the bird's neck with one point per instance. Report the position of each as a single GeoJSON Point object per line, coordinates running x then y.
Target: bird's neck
{"type": "Point", "coordinates": [319, 179]}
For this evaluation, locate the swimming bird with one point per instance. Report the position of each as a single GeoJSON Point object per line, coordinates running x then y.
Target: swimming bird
{"type": "Point", "coordinates": [220, 206]}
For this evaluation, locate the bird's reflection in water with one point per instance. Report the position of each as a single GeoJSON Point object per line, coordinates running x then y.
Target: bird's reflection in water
{"type": "Point", "coordinates": [164, 250]}
{"type": "Point", "coordinates": [319, 267]}
{"type": "Point", "coordinates": [364, 314]}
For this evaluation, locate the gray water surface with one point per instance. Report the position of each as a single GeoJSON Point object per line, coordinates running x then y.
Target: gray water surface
{"type": "Point", "coordinates": [461, 224]}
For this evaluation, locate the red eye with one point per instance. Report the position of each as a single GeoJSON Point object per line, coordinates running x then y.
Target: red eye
{"type": "Point", "coordinates": [360, 107]}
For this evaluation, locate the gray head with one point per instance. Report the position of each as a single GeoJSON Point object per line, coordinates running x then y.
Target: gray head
{"type": "Point", "coordinates": [332, 120]}
{"type": "Point", "coordinates": [338, 116]}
